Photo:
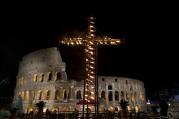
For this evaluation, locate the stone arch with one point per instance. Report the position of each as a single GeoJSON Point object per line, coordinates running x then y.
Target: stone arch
{"type": "Point", "coordinates": [35, 77]}
{"type": "Point", "coordinates": [65, 95]}
{"type": "Point", "coordinates": [32, 94]}
{"type": "Point", "coordinates": [69, 94]}
{"type": "Point", "coordinates": [78, 94]}
{"type": "Point", "coordinates": [110, 96]}
{"type": "Point", "coordinates": [135, 95]}
{"type": "Point", "coordinates": [50, 76]}
{"type": "Point", "coordinates": [131, 88]}
{"type": "Point", "coordinates": [126, 96]}
{"type": "Point", "coordinates": [122, 94]}
{"type": "Point", "coordinates": [103, 95]}
{"type": "Point", "coordinates": [39, 95]}
{"type": "Point", "coordinates": [47, 95]}
{"type": "Point", "coordinates": [42, 78]}
{"type": "Point", "coordinates": [109, 87]}
{"type": "Point", "coordinates": [116, 96]}
{"type": "Point", "coordinates": [59, 76]}
{"type": "Point", "coordinates": [57, 96]}
{"type": "Point", "coordinates": [142, 96]}
{"type": "Point", "coordinates": [26, 95]}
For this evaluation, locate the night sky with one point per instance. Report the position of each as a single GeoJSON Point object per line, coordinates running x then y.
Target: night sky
{"type": "Point", "coordinates": [149, 54]}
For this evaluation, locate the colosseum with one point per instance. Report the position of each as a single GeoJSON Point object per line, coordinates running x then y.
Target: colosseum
{"type": "Point", "coordinates": [42, 77]}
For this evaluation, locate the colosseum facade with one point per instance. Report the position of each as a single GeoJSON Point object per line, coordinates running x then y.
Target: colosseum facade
{"type": "Point", "coordinates": [42, 77]}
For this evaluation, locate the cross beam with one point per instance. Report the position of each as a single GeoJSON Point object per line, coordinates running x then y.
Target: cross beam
{"type": "Point", "coordinates": [91, 42]}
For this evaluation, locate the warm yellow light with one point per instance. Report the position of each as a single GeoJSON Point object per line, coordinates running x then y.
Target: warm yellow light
{"type": "Point", "coordinates": [86, 50]}
{"type": "Point", "coordinates": [128, 107]}
{"type": "Point", "coordinates": [92, 62]}
{"type": "Point", "coordinates": [44, 109]}
{"type": "Point", "coordinates": [113, 43]}
{"type": "Point", "coordinates": [136, 108]}
{"type": "Point", "coordinates": [30, 109]}
{"type": "Point", "coordinates": [91, 67]}
{"type": "Point", "coordinates": [92, 77]}
{"type": "Point", "coordinates": [91, 52]}
{"type": "Point", "coordinates": [92, 72]}
{"type": "Point", "coordinates": [92, 98]}
{"type": "Point", "coordinates": [90, 47]}
{"type": "Point", "coordinates": [92, 58]}
{"type": "Point", "coordinates": [118, 41]}
{"type": "Point", "coordinates": [91, 43]}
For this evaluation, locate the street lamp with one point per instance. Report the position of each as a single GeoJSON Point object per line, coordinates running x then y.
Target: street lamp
{"type": "Point", "coordinates": [148, 105]}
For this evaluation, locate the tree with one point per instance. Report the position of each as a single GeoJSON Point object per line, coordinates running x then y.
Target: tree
{"type": "Point", "coordinates": [123, 104]}
{"type": "Point", "coordinates": [40, 105]}
{"type": "Point", "coordinates": [124, 111]}
{"type": "Point", "coordinates": [163, 108]}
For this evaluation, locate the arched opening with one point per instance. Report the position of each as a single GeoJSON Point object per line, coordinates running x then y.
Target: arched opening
{"type": "Point", "coordinates": [26, 95]}
{"type": "Point", "coordinates": [65, 95]}
{"type": "Point", "coordinates": [109, 87]}
{"type": "Point", "coordinates": [142, 96]}
{"type": "Point", "coordinates": [47, 95]}
{"type": "Point", "coordinates": [39, 95]}
{"type": "Point", "coordinates": [127, 96]}
{"type": "Point", "coordinates": [122, 95]}
{"type": "Point", "coordinates": [69, 94]}
{"type": "Point", "coordinates": [103, 95]}
{"type": "Point", "coordinates": [135, 95]}
{"type": "Point", "coordinates": [57, 96]}
{"type": "Point", "coordinates": [131, 88]}
{"type": "Point", "coordinates": [116, 96]}
{"type": "Point", "coordinates": [35, 77]}
{"type": "Point", "coordinates": [110, 97]}
{"type": "Point", "coordinates": [32, 94]}
{"type": "Point", "coordinates": [78, 94]}
{"type": "Point", "coordinates": [58, 76]}
{"type": "Point", "coordinates": [42, 78]}
{"type": "Point", "coordinates": [115, 80]}
{"type": "Point", "coordinates": [50, 77]}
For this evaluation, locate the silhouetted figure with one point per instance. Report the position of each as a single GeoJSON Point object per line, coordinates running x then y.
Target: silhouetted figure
{"type": "Point", "coordinates": [76, 113]}
{"type": "Point", "coordinates": [47, 113]}
{"type": "Point", "coordinates": [163, 108]}
{"type": "Point", "coordinates": [13, 113]}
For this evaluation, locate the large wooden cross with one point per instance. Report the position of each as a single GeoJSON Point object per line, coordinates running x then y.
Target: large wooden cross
{"type": "Point", "coordinates": [91, 42]}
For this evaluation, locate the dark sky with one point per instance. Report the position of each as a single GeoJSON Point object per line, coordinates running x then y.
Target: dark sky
{"type": "Point", "coordinates": [149, 54]}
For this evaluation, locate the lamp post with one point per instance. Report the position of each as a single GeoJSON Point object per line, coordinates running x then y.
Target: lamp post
{"type": "Point", "coordinates": [148, 105]}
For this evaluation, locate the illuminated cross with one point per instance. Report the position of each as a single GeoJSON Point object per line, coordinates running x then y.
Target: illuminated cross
{"type": "Point", "coordinates": [90, 42]}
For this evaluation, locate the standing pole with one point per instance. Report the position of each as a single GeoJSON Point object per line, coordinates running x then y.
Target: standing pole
{"type": "Point", "coordinates": [83, 112]}
{"type": "Point", "coordinates": [96, 83]}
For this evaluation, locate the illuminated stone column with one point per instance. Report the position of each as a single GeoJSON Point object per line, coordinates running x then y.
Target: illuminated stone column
{"type": "Point", "coordinates": [72, 93]}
